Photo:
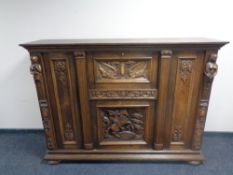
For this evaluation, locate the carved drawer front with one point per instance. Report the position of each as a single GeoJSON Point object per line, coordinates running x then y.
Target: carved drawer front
{"type": "Point", "coordinates": [112, 68]}
{"type": "Point", "coordinates": [124, 124]}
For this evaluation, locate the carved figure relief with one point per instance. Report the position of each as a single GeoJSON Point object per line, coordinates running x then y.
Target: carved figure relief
{"type": "Point", "coordinates": [211, 67]}
{"type": "Point", "coordinates": [35, 68]}
{"type": "Point", "coordinates": [123, 124]}
{"type": "Point", "coordinates": [185, 69]}
{"type": "Point", "coordinates": [36, 71]}
{"type": "Point", "coordinates": [121, 70]}
{"type": "Point", "coordinates": [210, 72]}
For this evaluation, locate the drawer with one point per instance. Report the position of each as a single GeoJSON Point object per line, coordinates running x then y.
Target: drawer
{"type": "Point", "coordinates": [122, 69]}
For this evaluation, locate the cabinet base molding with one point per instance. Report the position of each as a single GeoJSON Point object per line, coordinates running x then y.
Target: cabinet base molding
{"type": "Point", "coordinates": [193, 158]}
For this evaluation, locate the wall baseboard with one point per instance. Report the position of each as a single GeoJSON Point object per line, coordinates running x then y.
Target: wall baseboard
{"type": "Point", "coordinates": [22, 131]}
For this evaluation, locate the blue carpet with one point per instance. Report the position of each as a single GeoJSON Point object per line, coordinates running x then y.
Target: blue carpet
{"type": "Point", "coordinates": [21, 152]}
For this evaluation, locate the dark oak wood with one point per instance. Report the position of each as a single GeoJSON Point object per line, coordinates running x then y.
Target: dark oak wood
{"type": "Point", "coordinates": [124, 99]}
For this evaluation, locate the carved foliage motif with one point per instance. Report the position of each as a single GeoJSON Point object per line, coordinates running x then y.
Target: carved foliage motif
{"type": "Point", "coordinates": [35, 68]}
{"type": "Point", "coordinates": [68, 132]}
{"type": "Point", "coordinates": [185, 69]}
{"type": "Point", "coordinates": [60, 70]}
{"type": "Point", "coordinates": [123, 124]}
{"type": "Point", "coordinates": [123, 94]}
{"type": "Point", "coordinates": [120, 70]}
{"type": "Point", "coordinates": [47, 123]}
{"type": "Point", "coordinates": [177, 134]}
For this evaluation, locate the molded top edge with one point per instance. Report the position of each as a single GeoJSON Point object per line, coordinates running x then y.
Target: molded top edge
{"type": "Point", "coordinates": [139, 41]}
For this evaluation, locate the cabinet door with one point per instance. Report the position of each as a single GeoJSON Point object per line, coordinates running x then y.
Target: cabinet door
{"type": "Point", "coordinates": [126, 124]}
{"type": "Point", "coordinates": [63, 98]}
{"type": "Point", "coordinates": [122, 92]}
{"type": "Point", "coordinates": [186, 73]}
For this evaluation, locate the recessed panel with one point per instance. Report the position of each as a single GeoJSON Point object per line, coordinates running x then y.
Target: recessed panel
{"type": "Point", "coordinates": [122, 70]}
{"type": "Point", "coordinates": [64, 97]}
{"type": "Point", "coordinates": [122, 124]}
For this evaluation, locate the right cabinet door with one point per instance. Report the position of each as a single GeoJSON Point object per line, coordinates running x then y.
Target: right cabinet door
{"type": "Point", "coordinates": [185, 82]}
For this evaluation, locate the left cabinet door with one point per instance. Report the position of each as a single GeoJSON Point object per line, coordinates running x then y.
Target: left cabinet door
{"type": "Point", "coordinates": [59, 67]}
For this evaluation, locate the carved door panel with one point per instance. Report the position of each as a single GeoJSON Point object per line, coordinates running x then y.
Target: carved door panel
{"type": "Point", "coordinates": [63, 89]}
{"type": "Point", "coordinates": [123, 90]}
{"type": "Point", "coordinates": [186, 70]}
{"type": "Point", "coordinates": [126, 124]}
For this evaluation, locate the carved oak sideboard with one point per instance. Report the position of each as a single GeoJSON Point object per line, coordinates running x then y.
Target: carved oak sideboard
{"type": "Point", "coordinates": [137, 99]}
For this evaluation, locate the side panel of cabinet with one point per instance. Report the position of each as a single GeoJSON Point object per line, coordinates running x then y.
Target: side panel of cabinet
{"type": "Point", "coordinates": [62, 87]}
{"type": "Point", "coordinates": [186, 72]}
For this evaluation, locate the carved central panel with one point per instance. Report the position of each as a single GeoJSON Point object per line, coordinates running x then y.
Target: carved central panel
{"type": "Point", "coordinates": [120, 71]}
{"type": "Point", "coordinates": [123, 123]}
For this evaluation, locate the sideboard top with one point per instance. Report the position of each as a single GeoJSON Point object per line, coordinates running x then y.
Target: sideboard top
{"type": "Point", "coordinates": [127, 42]}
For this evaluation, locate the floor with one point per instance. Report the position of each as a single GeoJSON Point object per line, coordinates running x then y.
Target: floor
{"type": "Point", "coordinates": [21, 152]}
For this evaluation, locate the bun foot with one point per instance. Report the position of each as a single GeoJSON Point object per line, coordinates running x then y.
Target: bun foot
{"type": "Point", "coordinates": [195, 162]}
{"type": "Point", "coordinates": [53, 162]}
